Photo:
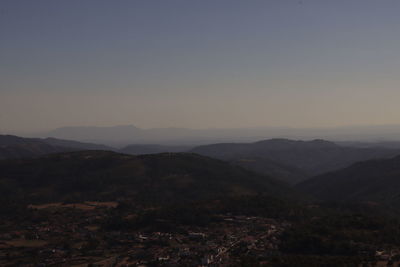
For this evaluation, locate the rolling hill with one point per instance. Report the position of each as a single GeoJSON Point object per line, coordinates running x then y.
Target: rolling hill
{"type": "Point", "coordinates": [139, 149]}
{"type": "Point", "coordinates": [104, 175]}
{"type": "Point", "coordinates": [299, 159]}
{"type": "Point", "coordinates": [74, 144]}
{"type": "Point", "coordinates": [368, 181]}
{"type": "Point", "coordinates": [19, 147]}
{"type": "Point", "coordinates": [288, 174]}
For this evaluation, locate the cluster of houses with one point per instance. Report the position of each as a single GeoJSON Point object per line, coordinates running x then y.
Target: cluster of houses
{"type": "Point", "coordinates": [76, 236]}
{"type": "Point", "coordinates": [71, 237]}
{"type": "Point", "coordinates": [220, 244]}
{"type": "Point", "coordinates": [388, 255]}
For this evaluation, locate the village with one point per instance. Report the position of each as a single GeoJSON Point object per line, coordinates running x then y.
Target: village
{"type": "Point", "coordinates": [73, 236]}
{"type": "Point", "coordinates": [79, 234]}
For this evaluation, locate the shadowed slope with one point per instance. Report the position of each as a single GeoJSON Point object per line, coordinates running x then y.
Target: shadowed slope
{"type": "Point", "coordinates": [373, 180]}
{"type": "Point", "coordinates": [301, 158]}
{"type": "Point", "coordinates": [19, 147]}
{"type": "Point", "coordinates": [101, 175]}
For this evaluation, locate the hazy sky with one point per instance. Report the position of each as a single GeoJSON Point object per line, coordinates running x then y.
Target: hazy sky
{"type": "Point", "coordinates": [198, 63]}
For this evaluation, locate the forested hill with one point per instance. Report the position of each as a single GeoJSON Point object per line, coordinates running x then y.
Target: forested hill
{"type": "Point", "coordinates": [20, 147]}
{"type": "Point", "coordinates": [368, 181]}
{"type": "Point", "coordinates": [299, 159]}
{"type": "Point", "coordinates": [103, 175]}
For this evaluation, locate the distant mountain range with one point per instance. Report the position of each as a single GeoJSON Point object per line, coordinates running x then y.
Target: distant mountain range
{"type": "Point", "coordinates": [287, 160]}
{"type": "Point", "coordinates": [130, 134]}
{"type": "Point", "coordinates": [292, 161]}
{"type": "Point", "coordinates": [148, 179]}
{"type": "Point", "coordinates": [340, 173]}
{"type": "Point", "coordinates": [369, 181]}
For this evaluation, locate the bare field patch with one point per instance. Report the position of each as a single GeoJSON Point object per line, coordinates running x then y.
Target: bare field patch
{"type": "Point", "coordinates": [87, 205]}
{"type": "Point", "coordinates": [25, 243]}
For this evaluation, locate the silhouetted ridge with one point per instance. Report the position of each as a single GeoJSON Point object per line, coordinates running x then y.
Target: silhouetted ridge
{"type": "Point", "coordinates": [19, 147]}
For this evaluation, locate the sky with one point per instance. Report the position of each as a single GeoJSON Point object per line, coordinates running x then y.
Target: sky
{"type": "Point", "coordinates": [198, 63]}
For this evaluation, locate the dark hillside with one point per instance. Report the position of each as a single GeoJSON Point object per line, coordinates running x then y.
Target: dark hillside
{"type": "Point", "coordinates": [152, 149]}
{"type": "Point", "coordinates": [298, 159]}
{"type": "Point", "coordinates": [102, 175]}
{"type": "Point", "coordinates": [368, 181]}
{"type": "Point", "coordinates": [12, 147]}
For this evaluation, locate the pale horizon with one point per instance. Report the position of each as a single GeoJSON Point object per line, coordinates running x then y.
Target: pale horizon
{"type": "Point", "coordinates": [187, 64]}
